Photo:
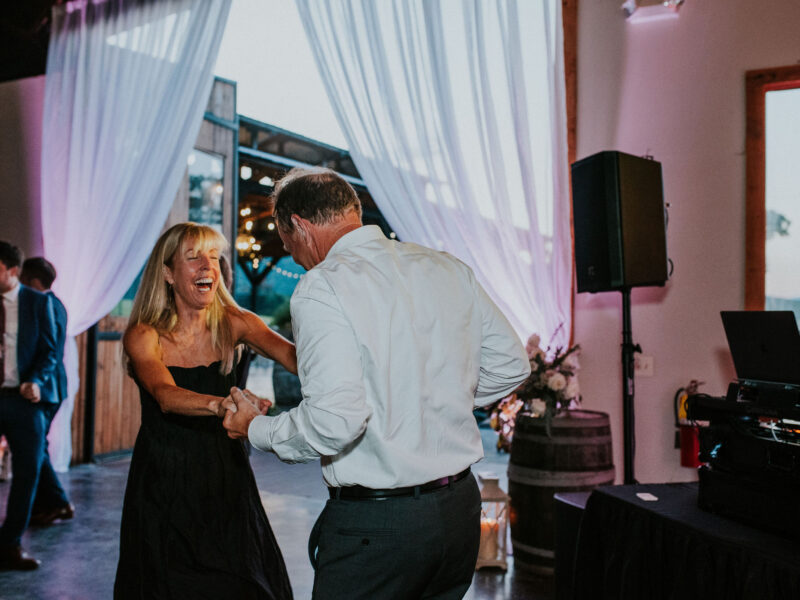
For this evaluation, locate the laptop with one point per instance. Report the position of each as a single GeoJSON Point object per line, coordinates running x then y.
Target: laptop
{"type": "Point", "coordinates": [765, 345]}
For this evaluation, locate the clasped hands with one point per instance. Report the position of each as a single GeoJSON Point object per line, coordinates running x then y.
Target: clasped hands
{"type": "Point", "coordinates": [241, 407]}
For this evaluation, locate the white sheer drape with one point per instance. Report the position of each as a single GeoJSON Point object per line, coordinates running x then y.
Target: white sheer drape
{"type": "Point", "coordinates": [455, 114]}
{"type": "Point", "coordinates": [126, 86]}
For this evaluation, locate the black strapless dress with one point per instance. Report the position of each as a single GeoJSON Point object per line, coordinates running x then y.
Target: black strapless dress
{"type": "Point", "coordinates": [193, 525]}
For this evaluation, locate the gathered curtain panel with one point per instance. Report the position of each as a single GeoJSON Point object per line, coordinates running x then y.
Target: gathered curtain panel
{"type": "Point", "coordinates": [126, 86]}
{"type": "Point", "coordinates": [455, 116]}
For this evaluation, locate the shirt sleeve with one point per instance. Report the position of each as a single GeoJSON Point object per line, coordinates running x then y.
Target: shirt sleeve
{"type": "Point", "coordinates": [504, 362]}
{"type": "Point", "coordinates": [334, 411]}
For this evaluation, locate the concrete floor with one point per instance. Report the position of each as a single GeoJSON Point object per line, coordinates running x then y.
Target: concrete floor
{"type": "Point", "coordinates": [79, 557]}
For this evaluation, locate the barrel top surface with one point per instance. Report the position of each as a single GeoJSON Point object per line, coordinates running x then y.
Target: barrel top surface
{"type": "Point", "coordinates": [571, 418]}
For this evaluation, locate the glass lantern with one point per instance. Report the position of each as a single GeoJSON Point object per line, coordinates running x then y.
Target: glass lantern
{"type": "Point", "coordinates": [494, 523]}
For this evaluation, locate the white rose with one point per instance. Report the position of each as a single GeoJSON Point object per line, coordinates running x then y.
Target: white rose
{"type": "Point", "coordinates": [557, 382]}
{"type": "Point", "coordinates": [537, 352]}
{"type": "Point", "coordinates": [573, 389]}
{"type": "Point", "coordinates": [538, 406]}
{"type": "Point", "coordinates": [533, 345]}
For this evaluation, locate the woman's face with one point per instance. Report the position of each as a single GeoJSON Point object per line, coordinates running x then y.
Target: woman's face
{"type": "Point", "coordinates": [194, 274]}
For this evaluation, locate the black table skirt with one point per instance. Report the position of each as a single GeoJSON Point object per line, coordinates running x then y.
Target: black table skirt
{"type": "Point", "coordinates": [632, 549]}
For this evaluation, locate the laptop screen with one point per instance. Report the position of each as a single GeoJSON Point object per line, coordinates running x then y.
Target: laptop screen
{"type": "Point", "coordinates": [765, 345]}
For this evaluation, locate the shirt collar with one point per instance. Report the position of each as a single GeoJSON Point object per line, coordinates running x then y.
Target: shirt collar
{"type": "Point", "coordinates": [12, 294]}
{"type": "Point", "coordinates": [357, 237]}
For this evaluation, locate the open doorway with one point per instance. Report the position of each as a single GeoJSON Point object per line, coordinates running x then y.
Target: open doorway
{"type": "Point", "coordinates": [772, 148]}
{"type": "Point", "coordinates": [782, 201]}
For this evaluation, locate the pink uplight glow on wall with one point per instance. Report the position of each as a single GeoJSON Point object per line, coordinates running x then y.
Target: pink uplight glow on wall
{"type": "Point", "coordinates": [20, 163]}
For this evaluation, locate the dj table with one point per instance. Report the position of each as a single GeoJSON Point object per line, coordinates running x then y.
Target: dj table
{"type": "Point", "coordinates": [630, 548]}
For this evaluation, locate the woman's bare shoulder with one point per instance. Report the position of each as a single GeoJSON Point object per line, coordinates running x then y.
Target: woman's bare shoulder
{"type": "Point", "coordinates": [140, 337]}
{"type": "Point", "coordinates": [240, 318]}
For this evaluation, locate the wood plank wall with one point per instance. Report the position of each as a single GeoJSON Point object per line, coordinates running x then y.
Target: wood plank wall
{"type": "Point", "coordinates": [79, 408]}
{"type": "Point", "coordinates": [117, 415]}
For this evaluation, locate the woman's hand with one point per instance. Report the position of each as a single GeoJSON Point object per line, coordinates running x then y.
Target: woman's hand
{"type": "Point", "coordinates": [246, 407]}
{"type": "Point", "coordinates": [220, 406]}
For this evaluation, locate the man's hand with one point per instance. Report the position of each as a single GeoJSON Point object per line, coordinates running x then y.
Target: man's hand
{"type": "Point", "coordinates": [246, 407]}
{"type": "Point", "coordinates": [30, 391]}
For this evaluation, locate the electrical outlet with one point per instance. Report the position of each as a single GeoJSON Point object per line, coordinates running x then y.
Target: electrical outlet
{"type": "Point", "coordinates": [643, 365]}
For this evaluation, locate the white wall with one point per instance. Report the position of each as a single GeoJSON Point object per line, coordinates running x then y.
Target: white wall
{"type": "Point", "coordinates": [674, 89]}
{"type": "Point", "coordinates": [21, 105]}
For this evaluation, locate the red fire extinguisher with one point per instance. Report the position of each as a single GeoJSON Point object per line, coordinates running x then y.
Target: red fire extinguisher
{"type": "Point", "coordinates": [686, 432]}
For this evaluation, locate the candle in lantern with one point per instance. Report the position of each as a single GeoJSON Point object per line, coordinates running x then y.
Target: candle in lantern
{"type": "Point", "coordinates": [488, 547]}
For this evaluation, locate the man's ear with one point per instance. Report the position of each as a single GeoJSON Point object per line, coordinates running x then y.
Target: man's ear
{"type": "Point", "coordinates": [300, 224]}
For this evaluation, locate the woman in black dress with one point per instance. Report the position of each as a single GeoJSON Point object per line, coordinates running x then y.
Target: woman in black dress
{"type": "Point", "coordinates": [193, 525]}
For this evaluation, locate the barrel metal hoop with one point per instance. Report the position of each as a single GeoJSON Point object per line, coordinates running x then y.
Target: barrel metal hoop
{"type": "Point", "coordinates": [533, 550]}
{"type": "Point", "coordinates": [563, 441]}
{"type": "Point", "coordinates": [542, 478]}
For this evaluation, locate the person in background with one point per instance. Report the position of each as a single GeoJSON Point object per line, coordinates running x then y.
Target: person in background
{"type": "Point", "coordinates": [193, 525]}
{"type": "Point", "coordinates": [27, 364]}
{"type": "Point", "coordinates": [5, 460]}
{"type": "Point", "coordinates": [396, 343]}
{"type": "Point", "coordinates": [51, 502]}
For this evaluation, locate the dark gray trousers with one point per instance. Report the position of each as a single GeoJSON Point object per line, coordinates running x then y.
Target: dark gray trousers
{"type": "Point", "coordinates": [398, 548]}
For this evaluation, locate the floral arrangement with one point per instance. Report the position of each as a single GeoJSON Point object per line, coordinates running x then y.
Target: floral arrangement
{"type": "Point", "coordinates": [552, 386]}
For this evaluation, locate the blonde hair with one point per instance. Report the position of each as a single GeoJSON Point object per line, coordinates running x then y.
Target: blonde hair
{"type": "Point", "coordinates": [154, 304]}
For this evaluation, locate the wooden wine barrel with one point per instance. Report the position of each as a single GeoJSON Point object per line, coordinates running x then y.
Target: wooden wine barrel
{"type": "Point", "coordinates": [576, 456]}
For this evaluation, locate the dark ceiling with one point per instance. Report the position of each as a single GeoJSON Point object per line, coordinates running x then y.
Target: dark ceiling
{"type": "Point", "coordinates": [24, 31]}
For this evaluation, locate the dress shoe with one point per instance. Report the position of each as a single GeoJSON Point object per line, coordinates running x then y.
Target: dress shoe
{"type": "Point", "coordinates": [12, 558]}
{"type": "Point", "coordinates": [46, 517]}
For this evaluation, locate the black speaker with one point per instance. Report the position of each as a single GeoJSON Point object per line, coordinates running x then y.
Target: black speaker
{"type": "Point", "coordinates": [619, 222]}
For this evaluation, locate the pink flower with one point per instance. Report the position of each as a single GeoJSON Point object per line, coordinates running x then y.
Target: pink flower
{"type": "Point", "coordinates": [533, 345]}
{"type": "Point", "coordinates": [573, 390]}
{"type": "Point", "coordinates": [557, 382]}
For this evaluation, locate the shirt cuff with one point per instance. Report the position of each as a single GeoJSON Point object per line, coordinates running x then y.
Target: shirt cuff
{"type": "Point", "coordinates": [258, 433]}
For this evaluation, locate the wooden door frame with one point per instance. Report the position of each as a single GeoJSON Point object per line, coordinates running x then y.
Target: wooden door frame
{"type": "Point", "coordinates": [757, 84]}
{"type": "Point", "coordinates": [569, 19]}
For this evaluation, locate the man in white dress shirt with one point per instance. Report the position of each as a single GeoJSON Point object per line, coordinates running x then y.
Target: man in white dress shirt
{"type": "Point", "coordinates": [396, 344]}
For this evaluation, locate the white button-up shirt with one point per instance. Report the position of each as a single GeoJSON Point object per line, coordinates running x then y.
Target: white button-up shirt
{"type": "Point", "coordinates": [396, 344]}
{"type": "Point", "coordinates": [11, 303]}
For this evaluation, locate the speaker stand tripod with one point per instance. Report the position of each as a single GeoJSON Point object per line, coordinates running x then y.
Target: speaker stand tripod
{"type": "Point", "coordinates": [628, 350]}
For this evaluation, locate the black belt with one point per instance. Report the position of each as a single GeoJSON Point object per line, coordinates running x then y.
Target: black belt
{"type": "Point", "coordinates": [357, 492]}
{"type": "Point", "coordinates": [9, 391]}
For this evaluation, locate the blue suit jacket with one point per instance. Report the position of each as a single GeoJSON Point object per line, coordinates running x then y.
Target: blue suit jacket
{"type": "Point", "coordinates": [58, 384]}
{"type": "Point", "coordinates": [36, 340]}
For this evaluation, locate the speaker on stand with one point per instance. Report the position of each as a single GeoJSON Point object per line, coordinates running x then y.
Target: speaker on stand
{"type": "Point", "coordinates": [620, 243]}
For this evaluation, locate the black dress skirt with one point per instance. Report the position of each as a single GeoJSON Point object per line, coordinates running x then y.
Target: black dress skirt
{"type": "Point", "coordinates": [193, 525]}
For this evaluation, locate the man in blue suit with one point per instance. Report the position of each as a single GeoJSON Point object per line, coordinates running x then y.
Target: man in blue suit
{"type": "Point", "coordinates": [50, 502]}
{"type": "Point", "coordinates": [27, 364]}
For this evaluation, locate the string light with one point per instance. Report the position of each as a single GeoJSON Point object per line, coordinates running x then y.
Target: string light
{"type": "Point", "coordinates": [286, 273]}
